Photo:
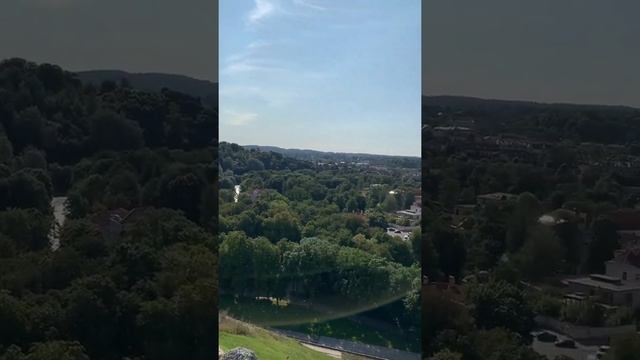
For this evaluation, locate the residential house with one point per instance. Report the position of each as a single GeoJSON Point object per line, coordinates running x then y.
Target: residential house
{"type": "Point", "coordinates": [411, 214]}
{"type": "Point", "coordinates": [417, 201]}
{"type": "Point", "coordinates": [619, 286]}
{"type": "Point", "coordinates": [414, 213]}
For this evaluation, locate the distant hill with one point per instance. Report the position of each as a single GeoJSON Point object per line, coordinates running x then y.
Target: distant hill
{"type": "Point", "coordinates": [207, 91]}
{"type": "Point", "coordinates": [316, 155]}
{"type": "Point", "coordinates": [474, 102]}
{"type": "Point", "coordinates": [242, 160]}
{"type": "Point", "coordinates": [609, 124]}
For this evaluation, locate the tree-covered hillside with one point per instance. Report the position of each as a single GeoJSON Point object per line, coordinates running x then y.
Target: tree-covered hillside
{"type": "Point", "coordinates": [552, 122]}
{"type": "Point", "coordinates": [324, 156]}
{"type": "Point", "coordinates": [315, 235]}
{"type": "Point", "coordinates": [131, 270]}
{"type": "Point", "coordinates": [155, 82]}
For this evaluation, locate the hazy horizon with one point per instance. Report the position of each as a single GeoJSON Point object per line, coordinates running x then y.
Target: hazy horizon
{"type": "Point", "coordinates": [144, 73]}
{"type": "Point", "coordinates": [330, 75]}
{"type": "Point", "coordinates": [327, 151]}
{"type": "Point", "coordinates": [82, 35]}
{"type": "Point", "coordinates": [530, 100]}
{"type": "Point", "coordinates": [578, 52]}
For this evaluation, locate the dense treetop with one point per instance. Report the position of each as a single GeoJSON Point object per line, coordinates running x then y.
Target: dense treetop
{"type": "Point", "coordinates": [580, 123]}
{"type": "Point", "coordinates": [135, 274]}
{"type": "Point", "coordinates": [44, 107]}
{"type": "Point", "coordinates": [300, 231]}
{"type": "Point", "coordinates": [519, 196]}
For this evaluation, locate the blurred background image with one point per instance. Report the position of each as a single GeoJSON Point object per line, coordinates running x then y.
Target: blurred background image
{"type": "Point", "coordinates": [108, 178]}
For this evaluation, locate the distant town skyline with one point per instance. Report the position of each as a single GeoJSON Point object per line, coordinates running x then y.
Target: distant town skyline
{"type": "Point", "coordinates": [324, 75]}
{"type": "Point", "coordinates": [326, 151]}
{"type": "Point", "coordinates": [582, 52]}
{"type": "Point", "coordinates": [141, 36]}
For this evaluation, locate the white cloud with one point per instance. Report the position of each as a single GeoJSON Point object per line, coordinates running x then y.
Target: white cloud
{"type": "Point", "coordinates": [309, 5]}
{"type": "Point", "coordinates": [374, 25]}
{"type": "Point", "coordinates": [262, 10]}
{"type": "Point", "coordinates": [249, 51]}
{"type": "Point", "coordinates": [271, 96]}
{"type": "Point", "coordinates": [247, 65]}
{"type": "Point", "coordinates": [239, 66]}
{"type": "Point", "coordinates": [238, 118]}
{"type": "Point", "coordinates": [246, 60]}
{"type": "Point", "coordinates": [258, 45]}
{"type": "Point", "coordinates": [232, 90]}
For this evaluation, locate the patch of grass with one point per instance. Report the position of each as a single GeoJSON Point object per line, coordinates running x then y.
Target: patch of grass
{"type": "Point", "coordinates": [266, 312]}
{"type": "Point", "coordinates": [268, 346]}
{"type": "Point", "coordinates": [302, 319]}
{"type": "Point", "coordinates": [233, 326]}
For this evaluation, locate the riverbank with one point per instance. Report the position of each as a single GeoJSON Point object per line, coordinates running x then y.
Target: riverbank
{"type": "Point", "coordinates": [314, 321]}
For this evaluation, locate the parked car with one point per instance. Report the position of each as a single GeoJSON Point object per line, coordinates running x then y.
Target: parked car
{"type": "Point", "coordinates": [566, 343]}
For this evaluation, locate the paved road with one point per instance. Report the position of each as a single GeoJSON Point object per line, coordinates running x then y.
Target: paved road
{"type": "Point", "coordinates": [372, 351]}
{"type": "Point", "coordinates": [59, 214]}
{"type": "Point", "coordinates": [580, 352]}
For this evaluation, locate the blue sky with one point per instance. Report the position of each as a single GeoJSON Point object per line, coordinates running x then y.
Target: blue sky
{"type": "Point", "coordinates": [330, 75]}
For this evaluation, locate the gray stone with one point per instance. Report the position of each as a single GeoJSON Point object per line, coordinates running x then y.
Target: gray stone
{"type": "Point", "coordinates": [239, 354]}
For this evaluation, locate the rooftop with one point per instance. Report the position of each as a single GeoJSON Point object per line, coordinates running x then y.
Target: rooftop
{"type": "Point", "coordinates": [408, 212]}
{"type": "Point", "coordinates": [588, 281]}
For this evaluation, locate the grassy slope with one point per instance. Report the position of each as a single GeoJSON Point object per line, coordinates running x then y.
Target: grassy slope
{"type": "Point", "coordinates": [292, 317]}
{"type": "Point", "coordinates": [265, 313]}
{"type": "Point", "coordinates": [268, 346]}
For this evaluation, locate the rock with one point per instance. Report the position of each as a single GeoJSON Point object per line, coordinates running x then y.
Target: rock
{"type": "Point", "coordinates": [239, 354]}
